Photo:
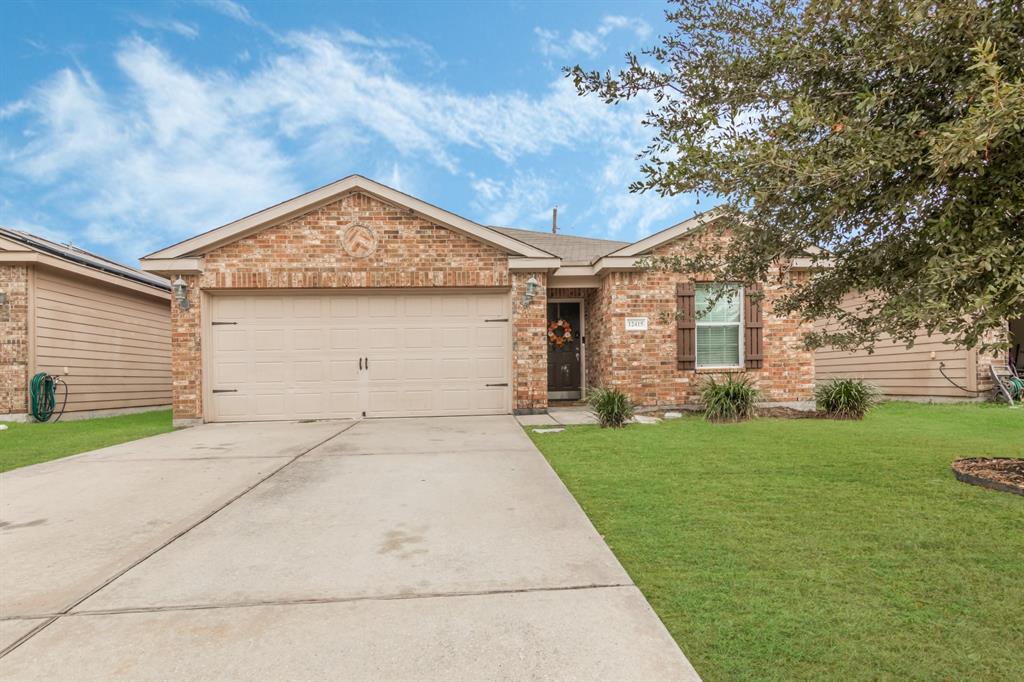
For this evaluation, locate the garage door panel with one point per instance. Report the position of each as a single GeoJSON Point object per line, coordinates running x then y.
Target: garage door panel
{"type": "Point", "coordinates": [269, 405]}
{"type": "Point", "coordinates": [229, 339]}
{"type": "Point", "coordinates": [268, 339]}
{"type": "Point", "coordinates": [419, 306]}
{"type": "Point", "coordinates": [267, 372]}
{"type": "Point", "coordinates": [382, 338]}
{"type": "Point", "coordinates": [382, 306]}
{"type": "Point", "coordinates": [416, 338]}
{"type": "Point", "coordinates": [301, 355]}
{"type": "Point", "coordinates": [309, 404]}
{"type": "Point", "coordinates": [307, 307]}
{"type": "Point", "coordinates": [491, 337]}
{"type": "Point", "coordinates": [265, 307]}
{"type": "Point", "coordinates": [231, 404]}
{"type": "Point", "coordinates": [493, 369]}
{"type": "Point", "coordinates": [454, 337]}
{"type": "Point", "coordinates": [345, 339]}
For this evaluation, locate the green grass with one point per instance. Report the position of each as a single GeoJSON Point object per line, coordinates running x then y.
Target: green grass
{"type": "Point", "coordinates": [816, 549]}
{"type": "Point", "coordinates": [24, 444]}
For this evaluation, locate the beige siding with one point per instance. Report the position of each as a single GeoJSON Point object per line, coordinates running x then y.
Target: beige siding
{"type": "Point", "coordinates": [115, 344]}
{"type": "Point", "coordinates": [902, 372]}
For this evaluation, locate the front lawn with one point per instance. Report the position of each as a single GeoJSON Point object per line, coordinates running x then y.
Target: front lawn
{"type": "Point", "coordinates": [24, 444]}
{"type": "Point", "coordinates": [814, 549]}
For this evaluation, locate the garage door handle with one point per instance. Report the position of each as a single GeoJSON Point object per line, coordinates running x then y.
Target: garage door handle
{"type": "Point", "coordinates": [496, 384]}
{"type": "Point", "coordinates": [367, 363]}
{"type": "Point", "coordinates": [218, 323]}
{"type": "Point", "coordinates": [497, 319]}
{"type": "Point", "coordinates": [360, 364]}
{"type": "Point", "coordinates": [225, 390]}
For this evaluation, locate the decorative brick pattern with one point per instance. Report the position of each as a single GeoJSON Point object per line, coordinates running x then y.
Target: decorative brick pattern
{"type": "Point", "coordinates": [529, 345]}
{"type": "Point", "coordinates": [14, 340]}
{"type": "Point", "coordinates": [309, 252]}
{"type": "Point", "coordinates": [643, 364]}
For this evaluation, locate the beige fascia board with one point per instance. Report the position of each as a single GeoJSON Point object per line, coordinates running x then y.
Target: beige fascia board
{"type": "Point", "coordinates": [613, 263]}
{"type": "Point", "coordinates": [560, 281]}
{"type": "Point", "coordinates": [533, 264]}
{"type": "Point", "coordinates": [82, 271]}
{"type": "Point", "coordinates": [172, 266]}
{"type": "Point", "coordinates": [311, 200]}
{"type": "Point", "coordinates": [575, 271]}
{"type": "Point", "coordinates": [666, 235]}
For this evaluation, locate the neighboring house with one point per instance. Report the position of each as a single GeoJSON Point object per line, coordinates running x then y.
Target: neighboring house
{"type": "Point", "coordinates": [104, 327]}
{"type": "Point", "coordinates": [917, 373]}
{"type": "Point", "coordinates": [358, 300]}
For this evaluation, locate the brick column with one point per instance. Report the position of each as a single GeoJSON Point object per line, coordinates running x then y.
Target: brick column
{"type": "Point", "coordinates": [187, 357]}
{"type": "Point", "coordinates": [529, 346]}
{"type": "Point", "coordinates": [14, 340]}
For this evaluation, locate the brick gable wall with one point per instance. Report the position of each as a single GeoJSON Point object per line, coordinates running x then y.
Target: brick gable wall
{"type": "Point", "coordinates": [14, 333]}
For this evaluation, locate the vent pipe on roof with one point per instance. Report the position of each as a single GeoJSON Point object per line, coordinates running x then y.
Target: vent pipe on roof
{"type": "Point", "coordinates": [554, 220]}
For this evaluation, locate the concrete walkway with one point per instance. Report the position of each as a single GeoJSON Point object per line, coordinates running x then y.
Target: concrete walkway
{"type": "Point", "coordinates": [416, 549]}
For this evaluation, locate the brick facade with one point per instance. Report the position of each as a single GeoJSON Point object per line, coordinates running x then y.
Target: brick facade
{"type": "Point", "coordinates": [14, 331]}
{"type": "Point", "coordinates": [643, 364]}
{"type": "Point", "coordinates": [308, 252]}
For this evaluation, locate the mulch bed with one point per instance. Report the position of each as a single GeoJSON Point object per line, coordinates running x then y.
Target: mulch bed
{"type": "Point", "coordinates": [997, 473]}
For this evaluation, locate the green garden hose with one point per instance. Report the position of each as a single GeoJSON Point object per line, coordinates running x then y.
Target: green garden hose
{"type": "Point", "coordinates": [1016, 387]}
{"type": "Point", "coordinates": [42, 393]}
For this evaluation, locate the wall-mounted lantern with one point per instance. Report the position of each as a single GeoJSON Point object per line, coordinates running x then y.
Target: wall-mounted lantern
{"type": "Point", "coordinates": [3, 297]}
{"type": "Point", "coordinates": [180, 289]}
{"type": "Point", "coordinates": [532, 289]}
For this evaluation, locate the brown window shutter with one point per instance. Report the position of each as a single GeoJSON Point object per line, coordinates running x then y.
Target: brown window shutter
{"type": "Point", "coordinates": [686, 326]}
{"type": "Point", "coordinates": [753, 340]}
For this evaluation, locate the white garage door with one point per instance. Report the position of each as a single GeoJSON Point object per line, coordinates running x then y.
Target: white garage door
{"type": "Point", "coordinates": [323, 356]}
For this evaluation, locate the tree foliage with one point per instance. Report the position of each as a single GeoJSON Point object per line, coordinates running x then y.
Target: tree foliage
{"type": "Point", "coordinates": [890, 134]}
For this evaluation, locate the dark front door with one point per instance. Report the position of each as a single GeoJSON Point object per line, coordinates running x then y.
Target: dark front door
{"type": "Point", "coordinates": [564, 344]}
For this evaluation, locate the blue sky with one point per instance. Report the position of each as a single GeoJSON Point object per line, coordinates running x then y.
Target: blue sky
{"type": "Point", "coordinates": [128, 126]}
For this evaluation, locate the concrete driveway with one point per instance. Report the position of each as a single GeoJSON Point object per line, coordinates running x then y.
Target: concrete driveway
{"type": "Point", "coordinates": [409, 548]}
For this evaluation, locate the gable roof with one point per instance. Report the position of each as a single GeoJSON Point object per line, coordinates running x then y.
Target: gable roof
{"type": "Point", "coordinates": [573, 250]}
{"type": "Point", "coordinates": [274, 215]}
{"type": "Point", "coordinates": [668, 234]}
{"type": "Point", "coordinates": [16, 241]}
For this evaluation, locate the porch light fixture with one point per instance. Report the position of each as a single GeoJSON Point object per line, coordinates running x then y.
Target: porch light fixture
{"type": "Point", "coordinates": [180, 289]}
{"type": "Point", "coordinates": [3, 297]}
{"type": "Point", "coordinates": [532, 289]}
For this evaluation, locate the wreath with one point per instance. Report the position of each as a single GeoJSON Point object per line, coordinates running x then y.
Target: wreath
{"type": "Point", "coordinates": [559, 339]}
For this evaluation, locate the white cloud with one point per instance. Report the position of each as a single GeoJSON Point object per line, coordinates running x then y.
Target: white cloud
{"type": "Point", "coordinates": [182, 150]}
{"type": "Point", "coordinates": [232, 10]}
{"type": "Point", "coordinates": [590, 43]}
{"type": "Point", "coordinates": [172, 25]}
{"type": "Point", "coordinates": [518, 202]}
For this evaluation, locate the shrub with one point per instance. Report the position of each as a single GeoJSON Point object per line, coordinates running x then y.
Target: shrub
{"type": "Point", "coordinates": [611, 407]}
{"type": "Point", "coordinates": [845, 398]}
{"type": "Point", "coordinates": [731, 400]}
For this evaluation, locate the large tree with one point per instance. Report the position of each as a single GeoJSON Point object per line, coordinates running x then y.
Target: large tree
{"type": "Point", "coordinates": [888, 134]}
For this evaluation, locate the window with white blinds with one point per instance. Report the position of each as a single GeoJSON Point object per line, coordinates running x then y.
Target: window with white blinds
{"type": "Point", "coordinates": [719, 328]}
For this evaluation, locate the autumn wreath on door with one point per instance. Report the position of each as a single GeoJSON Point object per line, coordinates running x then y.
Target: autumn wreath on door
{"type": "Point", "coordinates": [559, 333]}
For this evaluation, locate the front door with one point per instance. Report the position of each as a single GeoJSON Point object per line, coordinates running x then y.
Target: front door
{"type": "Point", "coordinates": [564, 346]}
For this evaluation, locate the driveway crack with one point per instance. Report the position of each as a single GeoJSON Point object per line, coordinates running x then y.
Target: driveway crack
{"type": "Point", "coordinates": [66, 610]}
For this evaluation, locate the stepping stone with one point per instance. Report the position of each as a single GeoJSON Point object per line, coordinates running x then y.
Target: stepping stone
{"type": "Point", "coordinates": [548, 430]}
{"type": "Point", "coordinates": [644, 419]}
{"type": "Point", "coordinates": [673, 415]}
